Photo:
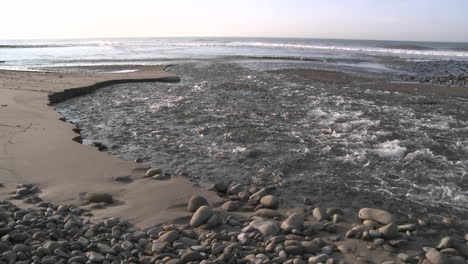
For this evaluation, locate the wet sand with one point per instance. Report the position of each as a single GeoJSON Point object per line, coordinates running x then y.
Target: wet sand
{"type": "Point", "coordinates": [36, 147]}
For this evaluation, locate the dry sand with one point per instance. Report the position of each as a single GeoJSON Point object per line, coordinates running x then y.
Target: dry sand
{"type": "Point", "coordinates": [36, 147]}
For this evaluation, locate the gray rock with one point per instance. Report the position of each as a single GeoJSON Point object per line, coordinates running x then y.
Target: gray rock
{"type": "Point", "coordinates": [268, 213]}
{"type": "Point", "coordinates": [213, 221]}
{"type": "Point", "coordinates": [220, 187]}
{"type": "Point", "coordinates": [21, 247]}
{"type": "Point", "coordinates": [19, 237]}
{"type": "Point", "coordinates": [95, 257]}
{"type": "Point", "coordinates": [60, 253]}
{"type": "Point", "coordinates": [51, 245]}
{"type": "Point", "coordinates": [320, 214]}
{"type": "Point", "coordinates": [78, 259]}
{"type": "Point", "coordinates": [231, 206]}
{"type": "Point", "coordinates": [378, 215]}
{"type": "Point", "coordinates": [169, 236]}
{"type": "Point", "coordinates": [189, 241]}
{"type": "Point", "coordinates": [201, 216]}
{"type": "Point", "coordinates": [174, 261]}
{"type": "Point", "coordinates": [153, 171]}
{"type": "Point", "coordinates": [191, 256]}
{"type": "Point", "coordinates": [267, 228]}
{"type": "Point", "coordinates": [4, 216]}
{"type": "Point", "coordinates": [263, 192]}
{"type": "Point", "coordinates": [196, 202]}
{"type": "Point", "coordinates": [294, 221]}
{"type": "Point", "coordinates": [161, 177]}
{"type": "Point", "coordinates": [294, 250]}
{"type": "Point", "coordinates": [124, 179]}
{"type": "Point", "coordinates": [10, 256]}
{"type": "Point", "coordinates": [270, 201]}
{"type": "Point", "coordinates": [435, 257]}
{"type": "Point", "coordinates": [389, 231]}
{"type": "Point", "coordinates": [318, 259]}
{"type": "Point", "coordinates": [445, 242]}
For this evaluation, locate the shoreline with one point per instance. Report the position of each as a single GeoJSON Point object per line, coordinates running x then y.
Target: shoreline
{"type": "Point", "coordinates": [38, 149]}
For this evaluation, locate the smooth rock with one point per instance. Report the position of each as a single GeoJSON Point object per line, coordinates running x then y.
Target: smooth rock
{"type": "Point", "coordinates": [95, 257]}
{"type": "Point", "coordinates": [220, 187]}
{"type": "Point", "coordinates": [270, 201]}
{"type": "Point", "coordinates": [267, 228]}
{"type": "Point", "coordinates": [267, 213]}
{"type": "Point", "coordinates": [320, 214]}
{"type": "Point", "coordinates": [378, 215]}
{"type": "Point", "coordinates": [389, 231]}
{"type": "Point", "coordinates": [153, 171]}
{"type": "Point", "coordinates": [294, 221]}
{"type": "Point", "coordinates": [201, 216]}
{"type": "Point", "coordinates": [435, 257]}
{"type": "Point", "coordinates": [191, 256]}
{"type": "Point", "coordinates": [196, 202]}
{"type": "Point", "coordinates": [231, 206]}
{"type": "Point", "coordinates": [169, 236]}
{"type": "Point", "coordinates": [318, 259]}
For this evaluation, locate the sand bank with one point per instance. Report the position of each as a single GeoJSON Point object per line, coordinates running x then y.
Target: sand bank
{"type": "Point", "coordinates": [36, 147]}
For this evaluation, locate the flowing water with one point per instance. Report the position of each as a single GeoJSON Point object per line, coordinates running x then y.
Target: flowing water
{"type": "Point", "coordinates": [334, 143]}
{"type": "Point", "coordinates": [231, 119]}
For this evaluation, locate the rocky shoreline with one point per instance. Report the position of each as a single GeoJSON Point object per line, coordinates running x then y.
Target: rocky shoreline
{"type": "Point", "coordinates": [249, 226]}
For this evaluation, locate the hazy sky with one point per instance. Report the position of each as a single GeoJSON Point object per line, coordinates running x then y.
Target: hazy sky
{"type": "Point", "coordinates": [431, 20]}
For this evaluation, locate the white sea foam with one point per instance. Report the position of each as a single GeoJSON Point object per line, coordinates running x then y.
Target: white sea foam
{"type": "Point", "coordinates": [390, 150]}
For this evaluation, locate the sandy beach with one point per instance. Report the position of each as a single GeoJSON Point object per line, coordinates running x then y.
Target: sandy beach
{"type": "Point", "coordinates": [37, 149]}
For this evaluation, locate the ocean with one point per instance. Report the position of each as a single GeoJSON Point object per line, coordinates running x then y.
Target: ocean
{"type": "Point", "coordinates": [234, 118]}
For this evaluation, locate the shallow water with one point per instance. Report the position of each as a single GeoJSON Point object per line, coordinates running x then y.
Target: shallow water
{"type": "Point", "coordinates": [336, 144]}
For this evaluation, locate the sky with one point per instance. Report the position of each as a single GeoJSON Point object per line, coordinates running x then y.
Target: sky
{"type": "Point", "coordinates": [418, 20]}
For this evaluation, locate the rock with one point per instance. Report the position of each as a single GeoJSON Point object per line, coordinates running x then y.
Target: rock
{"type": "Point", "coordinates": [99, 198]}
{"type": "Point", "coordinates": [268, 213]}
{"type": "Point", "coordinates": [19, 237]}
{"type": "Point", "coordinates": [311, 247]}
{"type": "Point", "coordinates": [294, 221]}
{"type": "Point", "coordinates": [4, 216]}
{"type": "Point", "coordinates": [169, 236]}
{"type": "Point", "coordinates": [196, 202]}
{"type": "Point", "coordinates": [95, 257]}
{"type": "Point", "coordinates": [270, 201]}
{"type": "Point", "coordinates": [231, 206]}
{"type": "Point", "coordinates": [445, 242]}
{"type": "Point", "coordinates": [294, 250]}
{"type": "Point", "coordinates": [60, 253]}
{"type": "Point", "coordinates": [235, 189]}
{"type": "Point", "coordinates": [244, 196]}
{"type": "Point", "coordinates": [153, 171]}
{"type": "Point", "coordinates": [378, 215]}
{"type": "Point", "coordinates": [201, 216]}
{"type": "Point", "coordinates": [191, 256]}
{"type": "Point", "coordinates": [213, 221]}
{"type": "Point", "coordinates": [318, 259]}
{"type": "Point", "coordinates": [407, 227]}
{"type": "Point", "coordinates": [161, 177]}
{"type": "Point", "coordinates": [267, 228]}
{"type": "Point", "coordinates": [220, 187]}
{"type": "Point", "coordinates": [174, 261]}
{"type": "Point", "coordinates": [320, 214]}
{"type": "Point", "coordinates": [263, 192]}
{"type": "Point", "coordinates": [78, 259]}
{"type": "Point", "coordinates": [389, 231]}
{"type": "Point", "coordinates": [435, 257]}
{"type": "Point", "coordinates": [23, 191]}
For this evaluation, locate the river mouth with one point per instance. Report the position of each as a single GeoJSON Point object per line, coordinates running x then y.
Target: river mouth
{"type": "Point", "coordinates": [338, 144]}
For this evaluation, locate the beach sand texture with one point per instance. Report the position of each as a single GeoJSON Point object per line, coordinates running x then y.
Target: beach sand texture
{"type": "Point", "coordinates": [36, 147]}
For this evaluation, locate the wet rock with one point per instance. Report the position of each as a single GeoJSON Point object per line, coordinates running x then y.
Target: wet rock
{"type": "Point", "coordinates": [267, 228]}
{"type": "Point", "coordinates": [99, 198]}
{"type": "Point", "coordinates": [270, 201]}
{"type": "Point", "coordinates": [294, 221]}
{"type": "Point", "coordinates": [169, 236]}
{"type": "Point", "coordinates": [201, 216]}
{"type": "Point", "coordinates": [320, 214]}
{"type": "Point", "coordinates": [191, 256]}
{"type": "Point", "coordinates": [267, 213]}
{"type": "Point", "coordinates": [318, 259]}
{"type": "Point", "coordinates": [231, 206]}
{"type": "Point", "coordinates": [153, 171]}
{"type": "Point", "coordinates": [196, 202]}
{"type": "Point", "coordinates": [378, 215]}
{"type": "Point", "coordinates": [389, 231]}
{"type": "Point", "coordinates": [445, 242]}
{"type": "Point", "coordinates": [435, 257]}
{"type": "Point", "coordinates": [220, 187]}
{"type": "Point", "coordinates": [95, 257]}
